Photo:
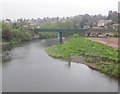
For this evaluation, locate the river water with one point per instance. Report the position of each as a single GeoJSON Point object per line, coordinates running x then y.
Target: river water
{"type": "Point", "coordinates": [30, 69]}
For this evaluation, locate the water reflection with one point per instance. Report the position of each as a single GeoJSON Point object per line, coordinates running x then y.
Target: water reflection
{"type": "Point", "coordinates": [32, 70]}
{"type": "Point", "coordinates": [68, 65]}
{"type": "Point", "coordinates": [10, 52]}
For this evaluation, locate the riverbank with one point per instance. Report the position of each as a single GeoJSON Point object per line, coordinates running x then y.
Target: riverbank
{"type": "Point", "coordinates": [96, 55]}
{"type": "Point", "coordinates": [7, 45]}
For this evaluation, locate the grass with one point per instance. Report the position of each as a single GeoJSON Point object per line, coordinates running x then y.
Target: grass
{"type": "Point", "coordinates": [105, 57]}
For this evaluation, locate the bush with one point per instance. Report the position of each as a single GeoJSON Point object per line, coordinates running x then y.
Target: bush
{"type": "Point", "coordinates": [15, 35]}
{"type": "Point", "coordinates": [6, 32]}
{"type": "Point", "coordinates": [75, 35]}
{"type": "Point", "coordinates": [21, 36]}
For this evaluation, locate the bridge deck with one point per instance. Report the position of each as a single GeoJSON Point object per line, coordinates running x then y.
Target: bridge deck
{"type": "Point", "coordinates": [60, 30]}
{"type": "Point", "coordinates": [73, 30]}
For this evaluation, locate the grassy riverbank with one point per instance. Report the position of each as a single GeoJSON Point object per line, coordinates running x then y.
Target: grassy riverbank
{"type": "Point", "coordinates": [100, 55]}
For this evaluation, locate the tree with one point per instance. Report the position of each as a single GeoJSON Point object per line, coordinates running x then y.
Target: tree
{"type": "Point", "coordinates": [6, 31]}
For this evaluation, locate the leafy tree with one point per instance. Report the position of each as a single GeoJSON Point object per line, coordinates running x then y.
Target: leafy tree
{"type": "Point", "coordinates": [6, 31]}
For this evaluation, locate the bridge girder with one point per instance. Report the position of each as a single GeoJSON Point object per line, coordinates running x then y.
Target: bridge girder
{"type": "Point", "coordinates": [60, 30]}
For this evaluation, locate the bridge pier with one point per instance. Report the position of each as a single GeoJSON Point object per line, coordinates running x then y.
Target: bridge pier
{"type": "Point", "coordinates": [60, 37]}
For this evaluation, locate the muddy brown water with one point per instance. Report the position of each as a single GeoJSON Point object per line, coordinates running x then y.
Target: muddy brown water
{"type": "Point", "coordinates": [30, 69]}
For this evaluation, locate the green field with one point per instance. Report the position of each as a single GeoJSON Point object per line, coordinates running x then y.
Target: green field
{"type": "Point", "coordinates": [104, 57]}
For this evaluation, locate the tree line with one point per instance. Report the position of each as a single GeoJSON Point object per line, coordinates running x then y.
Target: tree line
{"type": "Point", "coordinates": [20, 30]}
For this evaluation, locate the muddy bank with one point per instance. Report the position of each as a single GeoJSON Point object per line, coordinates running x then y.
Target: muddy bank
{"type": "Point", "coordinates": [79, 59]}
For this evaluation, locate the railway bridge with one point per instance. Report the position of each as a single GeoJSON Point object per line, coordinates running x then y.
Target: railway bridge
{"type": "Point", "coordinates": [86, 31]}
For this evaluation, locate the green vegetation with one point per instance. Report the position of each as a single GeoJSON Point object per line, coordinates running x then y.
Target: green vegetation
{"type": "Point", "coordinates": [67, 23]}
{"type": "Point", "coordinates": [105, 57]}
{"type": "Point", "coordinates": [46, 35]}
{"type": "Point", "coordinates": [0, 25]}
{"type": "Point", "coordinates": [14, 34]}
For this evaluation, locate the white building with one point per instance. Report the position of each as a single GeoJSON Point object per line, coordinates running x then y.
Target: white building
{"type": "Point", "coordinates": [102, 23]}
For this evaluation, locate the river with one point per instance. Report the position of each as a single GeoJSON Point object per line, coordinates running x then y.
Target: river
{"type": "Point", "coordinates": [30, 69]}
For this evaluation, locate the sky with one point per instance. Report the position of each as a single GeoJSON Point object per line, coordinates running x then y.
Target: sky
{"type": "Point", "coordinates": [15, 9]}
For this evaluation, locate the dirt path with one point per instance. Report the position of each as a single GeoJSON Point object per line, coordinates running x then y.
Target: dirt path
{"type": "Point", "coordinates": [113, 42]}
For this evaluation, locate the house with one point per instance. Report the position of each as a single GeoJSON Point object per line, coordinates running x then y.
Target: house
{"type": "Point", "coordinates": [103, 23]}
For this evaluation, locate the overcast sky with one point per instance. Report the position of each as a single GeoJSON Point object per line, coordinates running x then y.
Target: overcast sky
{"type": "Point", "coordinates": [14, 9]}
